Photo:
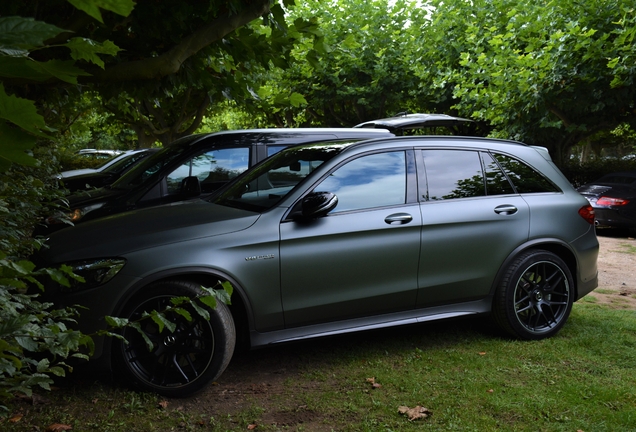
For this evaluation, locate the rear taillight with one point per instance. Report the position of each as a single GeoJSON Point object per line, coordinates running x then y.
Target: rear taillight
{"type": "Point", "coordinates": [587, 213]}
{"type": "Point", "coordinates": [607, 201]}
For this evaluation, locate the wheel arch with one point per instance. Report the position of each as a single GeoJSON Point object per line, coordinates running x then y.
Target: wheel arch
{"type": "Point", "coordinates": [239, 307]}
{"type": "Point", "coordinates": [556, 246]}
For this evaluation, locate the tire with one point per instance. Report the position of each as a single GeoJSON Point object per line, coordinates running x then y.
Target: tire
{"type": "Point", "coordinates": [182, 362]}
{"type": "Point", "coordinates": [535, 296]}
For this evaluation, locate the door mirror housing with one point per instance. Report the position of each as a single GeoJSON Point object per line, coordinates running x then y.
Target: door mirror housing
{"type": "Point", "coordinates": [318, 204]}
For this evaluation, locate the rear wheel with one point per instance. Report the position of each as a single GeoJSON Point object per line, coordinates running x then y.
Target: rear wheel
{"type": "Point", "coordinates": [182, 362]}
{"type": "Point", "coordinates": [534, 299]}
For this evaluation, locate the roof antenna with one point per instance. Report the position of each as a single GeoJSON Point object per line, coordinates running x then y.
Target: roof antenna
{"type": "Point", "coordinates": [401, 114]}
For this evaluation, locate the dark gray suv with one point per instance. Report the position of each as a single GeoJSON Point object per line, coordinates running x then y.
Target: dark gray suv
{"type": "Point", "coordinates": [336, 237]}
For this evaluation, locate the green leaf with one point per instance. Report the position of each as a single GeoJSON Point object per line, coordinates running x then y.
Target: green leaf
{"type": "Point", "coordinates": [87, 49]}
{"type": "Point", "coordinates": [162, 321]}
{"type": "Point", "coordinates": [116, 322]}
{"type": "Point", "coordinates": [137, 327]}
{"type": "Point", "coordinates": [184, 313]}
{"type": "Point", "coordinates": [209, 301]}
{"type": "Point", "coordinates": [91, 7]}
{"type": "Point", "coordinates": [62, 70]}
{"type": "Point", "coordinates": [27, 343]}
{"type": "Point", "coordinates": [201, 311]}
{"type": "Point", "coordinates": [25, 33]}
{"type": "Point", "coordinates": [21, 112]}
{"type": "Point", "coordinates": [297, 99]}
{"type": "Point", "coordinates": [15, 142]}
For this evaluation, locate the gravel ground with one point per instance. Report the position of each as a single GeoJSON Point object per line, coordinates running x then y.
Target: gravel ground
{"type": "Point", "coordinates": [616, 269]}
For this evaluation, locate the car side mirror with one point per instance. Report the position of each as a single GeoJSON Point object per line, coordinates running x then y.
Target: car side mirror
{"type": "Point", "coordinates": [318, 204]}
{"type": "Point", "coordinates": [190, 187]}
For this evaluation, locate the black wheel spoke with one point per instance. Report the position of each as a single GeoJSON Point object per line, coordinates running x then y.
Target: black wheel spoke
{"type": "Point", "coordinates": [181, 361]}
{"type": "Point", "coordinates": [541, 297]}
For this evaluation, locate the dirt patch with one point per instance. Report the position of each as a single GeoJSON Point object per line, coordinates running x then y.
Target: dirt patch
{"type": "Point", "coordinates": [616, 271]}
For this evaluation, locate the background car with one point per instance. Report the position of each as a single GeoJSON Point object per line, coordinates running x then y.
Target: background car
{"type": "Point", "coordinates": [191, 167]}
{"type": "Point", "coordinates": [428, 124]}
{"type": "Point", "coordinates": [613, 197]}
{"type": "Point", "coordinates": [210, 160]}
{"type": "Point", "coordinates": [328, 238]}
{"type": "Point", "coordinates": [99, 153]}
{"type": "Point", "coordinates": [105, 174]}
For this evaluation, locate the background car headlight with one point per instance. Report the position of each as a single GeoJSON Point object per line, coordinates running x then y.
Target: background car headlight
{"type": "Point", "coordinates": [73, 216]}
{"type": "Point", "coordinates": [95, 272]}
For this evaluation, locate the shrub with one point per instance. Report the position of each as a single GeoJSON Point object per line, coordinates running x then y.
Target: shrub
{"type": "Point", "coordinates": [580, 173]}
{"type": "Point", "coordinates": [35, 339]}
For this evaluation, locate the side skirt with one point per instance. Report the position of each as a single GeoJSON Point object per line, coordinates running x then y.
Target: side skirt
{"type": "Point", "coordinates": [371, 323]}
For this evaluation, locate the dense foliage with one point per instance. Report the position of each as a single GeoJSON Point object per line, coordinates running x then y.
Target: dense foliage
{"type": "Point", "coordinates": [156, 67]}
{"type": "Point", "coordinates": [41, 66]}
{"type": "Point", "coordinates": [547, 73]}
{"type": "Point", "coordinates": [362, 68]}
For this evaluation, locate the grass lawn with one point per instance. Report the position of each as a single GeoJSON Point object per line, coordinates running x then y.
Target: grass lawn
{"type": "Point", "coordinates": [466, 375]}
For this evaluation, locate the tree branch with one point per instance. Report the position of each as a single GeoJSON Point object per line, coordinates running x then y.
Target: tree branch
{"type": "Point", "coordinates": [170, 62]}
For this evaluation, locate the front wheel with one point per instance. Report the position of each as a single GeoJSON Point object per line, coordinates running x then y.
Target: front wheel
{"type": "Point", "coordinates": [534, 299]}
{"type": "Point", "coordinates": [182, 362]}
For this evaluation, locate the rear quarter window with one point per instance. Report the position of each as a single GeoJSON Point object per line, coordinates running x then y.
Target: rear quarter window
{"type": "Point", "coordinates": [525, 178]}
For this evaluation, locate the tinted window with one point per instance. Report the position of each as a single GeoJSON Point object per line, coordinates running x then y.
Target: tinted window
{"type": "Point", "coordinates": [496, 181]}
{"type": "Point", "coordinates": [273, 149]}
{"type": "Point", "coordinates": [375, 180]}
{"type": "Point", "coordinates": [524, 178]}
{"type": "Point", "coordinates": [213, 169]}
{"type": "Point", "coordinates": [453, 174]}
{"type": "Point", "coordinates": [264, 186]}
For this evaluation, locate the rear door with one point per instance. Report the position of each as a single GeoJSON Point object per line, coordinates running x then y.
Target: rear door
{"type": "Point", "coordinates": [472, 219]}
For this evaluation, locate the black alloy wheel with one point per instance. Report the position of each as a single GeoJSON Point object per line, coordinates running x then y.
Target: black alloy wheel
{"type": "Point", "coordinates": [535, 297]}
{"type": "Point", "coordinates": [181, 362]}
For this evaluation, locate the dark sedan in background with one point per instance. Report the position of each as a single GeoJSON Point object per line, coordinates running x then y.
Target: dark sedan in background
{"type": "Point", "coordinates": [613, 197]}
{"type": "Point", "coordinates": [90, 178]}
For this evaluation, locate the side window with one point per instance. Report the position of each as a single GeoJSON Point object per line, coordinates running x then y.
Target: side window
{"type": "Point", "coordinates": [273, 149]}
{"type": "Point", "coordinates": [453, 174]}
{"type": "Point", "coordinates": [375, 180]}
{"type": "Point", "coordinates": [524, 178]}
{"type": "Point", "coordinates": [214, 169]}
{"type": "Point", "coordinates": [496, 181]}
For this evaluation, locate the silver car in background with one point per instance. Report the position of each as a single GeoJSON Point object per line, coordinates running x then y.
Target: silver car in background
{"type": "Point", "coordinates": [336, 237]}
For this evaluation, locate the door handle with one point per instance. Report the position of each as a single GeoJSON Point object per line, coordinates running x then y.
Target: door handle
{"type": "Point", "coordinates": [506, 209]}
{"type": "Point", "coordinates": [398, 219]}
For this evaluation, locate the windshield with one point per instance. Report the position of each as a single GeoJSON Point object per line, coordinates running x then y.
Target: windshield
{"type": "Point", "coordinates": [122, 163]}
{"type": "Point", "coordinates": [264, 186]}
{"type": "Point", "coordinates": [150, 165]}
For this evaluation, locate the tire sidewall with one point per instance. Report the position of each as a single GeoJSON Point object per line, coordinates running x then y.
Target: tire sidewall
{"type": "Point", "coordinates": [504, 302]}
{"type": "Point", "coordinates": [223, 330]}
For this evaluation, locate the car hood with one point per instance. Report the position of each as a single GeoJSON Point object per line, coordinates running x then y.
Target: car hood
{"type": "Point", "coordinates": [126, 232]}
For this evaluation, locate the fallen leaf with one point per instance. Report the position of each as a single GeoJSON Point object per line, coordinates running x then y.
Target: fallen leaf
{"type": "Point", "coordinates": [490, 391]}
{"type": "Point", "coordinates": [482, 353]}
{"type": "Point", "coordinates": [16, 418]}
{"type": "Point", "coordinates": [163, 404]}
{"type": "Point", "coordinates": [94, 401]}
{"type": "Point", "coordinates": [252, 426]}
{"type": "Point", "coordinates": [374, 384]}
{"type": "Point", "coordinates": [58, 427]}
{"type": "Point", "coordinates": [415, 413]}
